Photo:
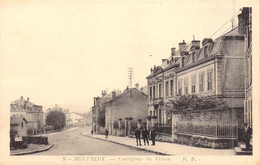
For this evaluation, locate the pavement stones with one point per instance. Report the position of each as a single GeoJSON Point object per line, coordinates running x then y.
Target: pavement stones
{"type": "Point", "coordinates": [163, 148]}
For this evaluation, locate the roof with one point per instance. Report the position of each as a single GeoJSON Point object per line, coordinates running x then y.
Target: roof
{"type": "Point", "coordinates": [212, 48]}
{"type": "Point", "coordinates": [17, 120]}
{"type": "Point", "coordinates": [22, 101]}
{"type": "Point", "coordinates": [125, 93]}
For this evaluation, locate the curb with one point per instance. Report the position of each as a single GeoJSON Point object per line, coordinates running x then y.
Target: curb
{"type": "Point", "coordinates": [33, 151]}
{"type": "Point", "coordinates": [144, 149]}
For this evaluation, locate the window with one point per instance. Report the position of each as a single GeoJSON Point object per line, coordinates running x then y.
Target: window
{"type": "Point", "coordinates": [154, 113]}
{"type": "Point", "coordinates": [209, 80]}
{"type": "Point", "coordinates": [182, 61]}
{"type": "Point", "coordinates": [21, 124]}
{"type": "Point", "coordinates": [160, 90]}
{"type": "Point", "coordinates": [153, 91]}
{"type": "Point", "coordinates": [201, 82]}
{"type": "Point", "coordinates": [206, 52]}
{"type": "Point", "coordinates": [186, 86]}
{"type": "Point", "coordinates": [151, 113]}
{"type": "Point", "coordinates": [179, 86]}
{"type": "Point", "coordinates": [193, 84]}
{"type": "Point", "coordinates": [167, 89]}
{"type": "Point", "coordinates": [171, 87]}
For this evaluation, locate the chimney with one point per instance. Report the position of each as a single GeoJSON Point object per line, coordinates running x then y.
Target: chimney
{"type": "Point", "coordinates": [173, 51]}
{"type": "Point", "coordinates": [113, 95]}
{"type": "Point", "coordinates": [137, 86]}
{"type": "Point", "coordinates": [243, 20]}
{"type": "Point", "coordinates": [163, 60]}
{"type": "Point", "coordinates": [182, 46]}
{"type": "Point", "coordinates": [104, 93]}
{"type": "Point", "coordinates": [28, 98]}
{"type": "Point", "coordinates": [141, 89]}
{"type": "Point", "coordinates": [94, 101]}
{"type": "Point", "coordinates": [195, 43]}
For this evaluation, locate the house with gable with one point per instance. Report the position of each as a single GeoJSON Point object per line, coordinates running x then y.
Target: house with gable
{"type": "Point", "coordinates": [18, 126]}
{"type": "Point", "coordinates": [126, 111]}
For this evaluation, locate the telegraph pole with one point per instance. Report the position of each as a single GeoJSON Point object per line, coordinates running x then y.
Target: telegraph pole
{"type": "Point", "coordinates": [130, 76]}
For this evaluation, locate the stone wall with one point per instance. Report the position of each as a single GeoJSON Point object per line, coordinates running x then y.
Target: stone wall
{"type": "Point", "coordinates": [211, 118]}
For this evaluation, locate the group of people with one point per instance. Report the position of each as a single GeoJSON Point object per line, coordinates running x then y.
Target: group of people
{"type": "Point", "coordinates": [144, 133]}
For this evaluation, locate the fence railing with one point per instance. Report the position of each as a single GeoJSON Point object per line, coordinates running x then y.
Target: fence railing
{"type": "Point", "coordinates": [218, 130]}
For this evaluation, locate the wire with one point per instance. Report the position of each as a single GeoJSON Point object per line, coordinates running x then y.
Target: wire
{"type": "Point", "coordinates": [224, 24]}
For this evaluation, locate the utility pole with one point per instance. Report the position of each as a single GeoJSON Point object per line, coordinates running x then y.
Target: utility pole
{"type": "Point", "coordinates": [130, 76]}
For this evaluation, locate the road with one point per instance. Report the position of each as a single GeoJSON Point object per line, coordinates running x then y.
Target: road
{"type": "Point", "coordinates": [73, 143]}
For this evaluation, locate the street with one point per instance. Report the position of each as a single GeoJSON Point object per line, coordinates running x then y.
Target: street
{"type": "Point", "coordinates": [73, 143]}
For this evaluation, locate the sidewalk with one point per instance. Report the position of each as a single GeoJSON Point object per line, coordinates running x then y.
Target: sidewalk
{"type": "Point", "coordinates": [163, 148]}
{"type": "Point", "coordinates": [32, 148]}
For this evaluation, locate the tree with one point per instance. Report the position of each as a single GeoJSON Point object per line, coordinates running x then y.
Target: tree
{"type": "Point", "coordinates": [101, 118]}
{"type": "Point", "coordinates": [57, 119]}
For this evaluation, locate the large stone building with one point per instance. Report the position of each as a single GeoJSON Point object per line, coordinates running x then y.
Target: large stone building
{"type": "Point", "coordinates": [245, 28]}
{"type": "Point", "coordinates": [127, 108]}
{"type": "Point", "coordinates": [211, 68]}
{"type": "Point", "coordinates": [31, 112]}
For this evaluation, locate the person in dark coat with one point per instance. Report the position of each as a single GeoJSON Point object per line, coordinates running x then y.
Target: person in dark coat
{"type": "Point", "coordinates": [153, 135]}
{"type": "Point", "coordinates": [145, 135]}
{"type": "Point", "coordinates": [137, 136]}
{"type": "Point", "coordinates": [247, 136]}
{"type": "Point", "coordinates": [106, 133]}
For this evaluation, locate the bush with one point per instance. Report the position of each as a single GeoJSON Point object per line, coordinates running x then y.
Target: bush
{"type": "Point", "coordinates": [194, 102]}
{"type": "Point", "coordinates": [48, 128]}
{"type": "Point", "coordinates": [30, 131]}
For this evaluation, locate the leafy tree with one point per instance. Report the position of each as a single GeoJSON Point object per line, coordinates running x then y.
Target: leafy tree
{"type": "Point", "coordinates": [57, 119]}
{"type": "Point", "coordinates": [194, 102]}
{"type": "Point", "coordinates": [101, 118]}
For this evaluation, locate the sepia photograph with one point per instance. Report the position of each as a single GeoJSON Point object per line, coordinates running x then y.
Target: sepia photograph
{"type": "Point", "coordinates": [135, 82]}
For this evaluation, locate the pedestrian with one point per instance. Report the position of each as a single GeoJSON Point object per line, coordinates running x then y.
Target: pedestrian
{"type": "Point", "coordinates": [106, 133]}
{"type": "Point", "coordinates": [153, 134]}
{"type": "Point", "coordinates": [137, 136]}
{"type": "Point", "coordinates": [145, 135]}
{"type": "Point", "coordinates": [92, 132]}
{"type": "Point", "coordinates": [247, 135]}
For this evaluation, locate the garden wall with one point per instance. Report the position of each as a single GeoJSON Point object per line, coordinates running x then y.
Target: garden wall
{"type": "Point", "coordinates": [208, 128]}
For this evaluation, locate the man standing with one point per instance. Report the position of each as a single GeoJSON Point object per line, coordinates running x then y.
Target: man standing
{"type": "Point", "coordinates": [137, 136]}
{"type": "Point", "coordinates": [153, 134]}
{"type": "Point", "coordinates": [106, 133]}
{"type": "Point", "coordinates": [145, 135]}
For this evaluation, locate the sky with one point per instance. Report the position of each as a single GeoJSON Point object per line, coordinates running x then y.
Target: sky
{"type": "Point", "coordinates": [68, 52]}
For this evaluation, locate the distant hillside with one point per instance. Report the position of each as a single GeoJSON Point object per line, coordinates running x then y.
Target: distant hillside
{"type": "Point", "coordinates": [72, 107]}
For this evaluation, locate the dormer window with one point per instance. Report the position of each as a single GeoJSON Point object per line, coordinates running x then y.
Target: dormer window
{"type": "Point", "coordinates": [193, 57]}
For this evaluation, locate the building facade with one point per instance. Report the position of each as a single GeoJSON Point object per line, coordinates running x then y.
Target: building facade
{"type": "Point", "coordinates": [98, 110]}
{"type": "Point", "coordinates": [128, 108]}
{"type": "Point", "coordinates": [245, 28]}
{"type": "Point", "coordinates": [213, 68]}
{"type": "Point", "coordinates": [31, 112]}
{"type": "Point", "coordinates": [19, 126]}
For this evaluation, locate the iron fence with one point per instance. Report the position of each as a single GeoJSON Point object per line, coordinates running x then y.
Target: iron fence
{"type": "Point", "coordinates": [218, 129]}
